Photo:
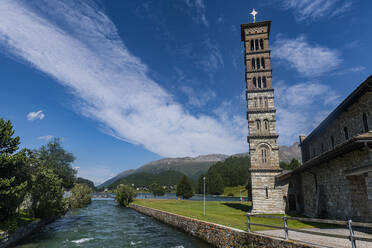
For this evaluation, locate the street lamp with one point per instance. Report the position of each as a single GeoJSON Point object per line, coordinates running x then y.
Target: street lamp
{"type": "Point", "coordinates": [241, 196]}
{"type": "Point", "coordinates": [204, 197]}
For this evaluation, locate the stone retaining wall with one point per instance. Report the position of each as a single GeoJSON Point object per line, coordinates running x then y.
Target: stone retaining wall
{"type": "Point", "coordinates": [215, 234]}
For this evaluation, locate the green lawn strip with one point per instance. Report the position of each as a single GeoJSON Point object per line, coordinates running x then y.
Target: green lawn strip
{"type": "Point", "coordinates": [225, 213]}
{"type": "Point", "coordinates": [235, 191]}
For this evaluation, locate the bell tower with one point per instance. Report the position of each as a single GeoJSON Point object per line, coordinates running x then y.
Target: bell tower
{"type": "Point", "coordinates": [262, 138]}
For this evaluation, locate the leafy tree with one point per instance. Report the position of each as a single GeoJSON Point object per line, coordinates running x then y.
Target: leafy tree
{"type": "Point", "coordinates": [80, 196]}
{"type": "Point", "coordinates": [200, 186]}
{"type": "Point", "coordinates": [124, 195]}
{"type": "Point", "coordinates": [157, 190]}
{"type": "Point", "coordinates": [184, 188]}
{"type": "Point", "coordinates": [55, 157]}
{"type": "Point", "coordinates": [13, 177]}
{"type": "Point", "coordinates": [214, 183]}
{"type": "Point", "coordinates": [292, 165]}
{"type": "Point", "coordinates": [46, 193]}
{"type": "Point", "coordinates": [87, 182]}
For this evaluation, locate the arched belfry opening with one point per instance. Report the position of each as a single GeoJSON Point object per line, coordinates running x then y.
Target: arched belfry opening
{"type": "Point", "coordinates": [262, 139]}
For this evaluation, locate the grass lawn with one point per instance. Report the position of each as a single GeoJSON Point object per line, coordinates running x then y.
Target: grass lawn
{"type": "Point", "coordinates": [235, 191]}
{"type": "Point", "coordinates": [226, 213]}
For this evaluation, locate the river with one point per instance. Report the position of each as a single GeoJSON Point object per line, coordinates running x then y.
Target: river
{"type": "Point", "coordinates": [105, 224]}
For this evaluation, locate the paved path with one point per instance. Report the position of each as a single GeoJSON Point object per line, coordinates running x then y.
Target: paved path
{"type": "Point", "coordinates": [323, 241]}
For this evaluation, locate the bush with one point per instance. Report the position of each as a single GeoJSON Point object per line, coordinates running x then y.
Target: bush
{"type": "Point", "coordinates": [124, 195]}
{"type": "Point", "coordinates": [230, 194]}
{"type": "Point", "coordinates": [80, 196]}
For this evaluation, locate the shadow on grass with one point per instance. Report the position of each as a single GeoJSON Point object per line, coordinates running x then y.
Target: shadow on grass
{"type": "Point", "coordinates": [238, 206]}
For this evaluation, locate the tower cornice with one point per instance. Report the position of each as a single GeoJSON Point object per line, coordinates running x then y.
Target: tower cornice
{"type": "Point", "coordinates": [253, 25]}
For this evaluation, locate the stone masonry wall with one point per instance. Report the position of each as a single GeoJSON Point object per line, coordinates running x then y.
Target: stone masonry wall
{"type": "Point", "coordinates": [217, 235]}
{"type": "Point", "coordinates": [329, 193]}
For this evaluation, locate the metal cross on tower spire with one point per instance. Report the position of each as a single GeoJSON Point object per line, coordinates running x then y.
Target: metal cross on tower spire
{"type": "Point", "coordinates": [254, 13]}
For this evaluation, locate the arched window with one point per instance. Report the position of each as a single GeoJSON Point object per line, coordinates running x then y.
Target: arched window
{"type": "Point", "coordinates": [266, 125]}
{"type": "Point", "coordinates": [258, 63]}
{"type": "Point", "coordinates": [252, 45]}
{"type": "Point", "coordinates": [254, 82]}
{"type": "Point", "coordinates": [253, 64]}
{"type": "Point", "coordinates": [332, 142]}
{"type": "Point", "coordinates": [256, 43]}
{"type": "Point", "coordinates": [260, 101]}
{"type": "Point", "coordinates": [365, 123]}
{"type": "Point", "coordinates": [266, 102]}
{"type": "Point", "coordinates": [261, 44]}
{"type": "Point", "coordinates": [255, 102]}
{"type": "Point", "coordinates": [264, 82]}
{"type": "Point", "coordinates": [258, 124]}
{"type": "Point", "coordinates": [346, 132]}
{"type": "Point", "coordinates": [263, 62]}
{"type": "Point", "coordinates": [264, 154]}
{"type": "Point", "coordinates": [259, 82]}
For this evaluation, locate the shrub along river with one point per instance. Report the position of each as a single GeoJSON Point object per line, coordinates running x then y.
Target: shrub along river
{"type": "Point", "coordinates": [105, 224]}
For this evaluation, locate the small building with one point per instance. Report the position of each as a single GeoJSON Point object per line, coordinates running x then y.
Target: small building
{"type": "Point", "coordinates": [335, 179]}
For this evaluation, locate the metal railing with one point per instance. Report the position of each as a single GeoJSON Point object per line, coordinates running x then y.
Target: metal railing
{"type": "Point", "coordinates": [349, 225]}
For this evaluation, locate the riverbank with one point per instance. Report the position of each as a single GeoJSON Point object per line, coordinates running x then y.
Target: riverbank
{"type": "Point", "coordinates": [216, 234]}
{"type": "Point", "coordinates": [231, 214]}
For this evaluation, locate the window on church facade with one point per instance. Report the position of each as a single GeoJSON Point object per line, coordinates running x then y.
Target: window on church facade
{"type": "Point", "coordinates": [256, 43]}
{"type": "Point", "coordinates": [322, 147]}
{"type": "Point", "coordinates": [266, 124]}
{"type": "Point", "coordinates": [346, 132]}
{"type": "Point", "coordinates": [266, 102]}
{"type": "Point", "coordinates": [259, 82]}
{"type": "Point", "coordinates": [260, 101]}
{"type": "Point", "coordinates": [252, 45]}
{"type": "Point", "coordinates": [264, 82]}
{"type": "Point", "coordinates": [267, 192]}
{"type": "Point", "coordinates": [365, 123]}
{"type": "Point", "coordinates": [258, 123]}
{"type": "Point", "coordinates": [253, 64]}
{"type": "Point", "coordinates": [255, 102]}
{"type": "Point", "coordinates": [264, 155]}
{"type": "Point", "coordinates": [332, 142]}
{"type": "Point", "coordinates": [258, 63]}
{"type": "Point", "coordinates": [261, 44]}
{"type": "Point", "coordinates": [254, 82]}
{"type": "Point", "coordinates": [263, 62]}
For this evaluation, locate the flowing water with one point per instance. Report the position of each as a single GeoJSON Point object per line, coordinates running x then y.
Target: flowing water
{"type": "Point", "coordinates": [104, 224]}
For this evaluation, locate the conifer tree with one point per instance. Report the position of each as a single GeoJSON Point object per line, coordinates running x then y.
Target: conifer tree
{"type": "Point", "coordinates": [184, 189]}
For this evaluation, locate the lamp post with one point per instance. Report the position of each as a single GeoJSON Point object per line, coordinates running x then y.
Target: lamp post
{"type": "Point", "coordinates": [204, 197]}
{"type": "Point", "coordinates": [241, 199]}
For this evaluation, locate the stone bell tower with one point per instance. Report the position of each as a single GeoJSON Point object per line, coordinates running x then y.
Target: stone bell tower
{"type": "Point", "coordinates": [262, 138]}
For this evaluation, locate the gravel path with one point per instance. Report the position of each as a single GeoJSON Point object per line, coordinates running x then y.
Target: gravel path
{"type": "Point", "coordinates": [323, 240]}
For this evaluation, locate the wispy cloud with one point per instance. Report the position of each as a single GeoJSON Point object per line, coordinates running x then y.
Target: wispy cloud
{"type": "Point", "coordinates": [301, 107]}
{"type": "Point", "coordinates": [198, 98]}
{"type": "Point", "coordinates": [38, 115]}
{"type": "Point", "coordinates": [46, 137]}
{"type": "Point", "coordinates": [79, 46]}
{"type": "Point", "coordinates": [199, 8]}
{"type": "Point", "coordinates": [350, 70]}
{"type": "Point", "coordinates": [307, 59]}
{"type": "Point", "coordinates": [315, 9]}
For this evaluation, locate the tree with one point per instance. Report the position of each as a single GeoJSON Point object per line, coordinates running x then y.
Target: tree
{"type": "Point", "coordinates": [13, 177]}
{"type": "Point", "coordinates": [184, 188]}
{"type": "Point", "coordinates": [215, 183]}
{"type": "Point", "coordinates": [200, 186]}
{"type": "Point", "coordinates": [87, 182]}
{"type": "Point", "coordinates": [157, 190]}
{"type": "Point", "coordinates": [124, 195]}
{"type": "Point", "coordinates": [46, 193]}
{"type": "Point", "coordinates": [55, 157]}
{"type": "Point", "coordinates": [80, 196]}
{"type": "Point", "coordinates": [292, 165]}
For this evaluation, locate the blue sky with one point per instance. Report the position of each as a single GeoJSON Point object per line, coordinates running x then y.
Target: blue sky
{"type": "Point", "coordinates": [123, 83]}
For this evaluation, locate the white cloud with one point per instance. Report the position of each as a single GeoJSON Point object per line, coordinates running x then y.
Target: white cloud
{"type": "Point", "coordinates": [97, 174]}
{"type": "Point", "coordinates": [315, 9]}
{"type": "Point", "coordinates": [46, 138]}
{"type": "Point", "coordinates": [301, 107]}
{"type": "Point", "coordinates": [79, 46]}
{"type": "Point", "coordinates": [35, 115]}
{"type": "Point", "coordinates": [198, 99]}
{"type": "Point", "coordinates": [199, 7]}
{"type": "Point", "coordinates": [307, 59]}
